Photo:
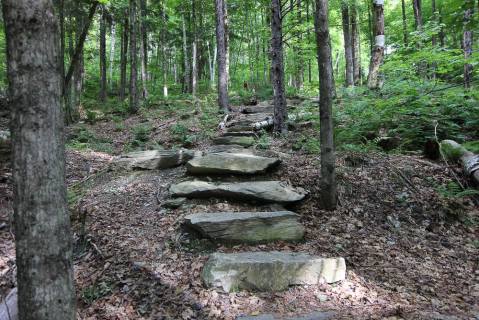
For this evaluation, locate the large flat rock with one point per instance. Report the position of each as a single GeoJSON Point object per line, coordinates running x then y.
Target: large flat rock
{"type": "Point", "coordinates": [270, 271]}
{"type": "Point", "coordinates": [241, 141]}
{"type": "Point", "coordinates": [226, 163]}
{"type": "Point", "coordinates": [262, 191]}
{"type": "Point", "coordinates": [154, 159]}
{"type": "Point", "coordinates": [247, 227]}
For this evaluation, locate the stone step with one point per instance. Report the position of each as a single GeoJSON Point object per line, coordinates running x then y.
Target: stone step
{"type": "Point", "coordinates": [239, 134]}
{"type": "Point", "coordinates": [154, 159]}
{"type": "Point", "coordinates": [239, 128]}
{"type": "Point", "coordinates": [247, 227]}
{"type": "Point", "coordinates": [260, 191]}
{"type": "Point", "coordinates": [231, 163]}
{"type": "Point", "coordinates": [242, 141]}
{"type": "Point", "coordinates": [270, 271]}
{"type": "Point", "coordinates": [258, 109]}
{"type": "Point", "coordinates": [229, 148]}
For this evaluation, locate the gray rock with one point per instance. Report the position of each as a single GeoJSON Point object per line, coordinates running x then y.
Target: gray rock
{"type": "Point", "coordinates": [242, 141]}
{"type": "Point", "coordinates": [321, 315]}
{"type": "Point", "coordinates": [5, 144]}
{"type": "Point", "coordinates": [239, 134]}
{"type": "Point", "coordinates": [263, 191]}
{"type": "Point", "coordinates": [247, 227]}
{"type": "Point", "coordinates": [233, 127]}
{"type": "Point", "coordinates": [230, 148]}
{"type": "Point", "coordinates": [174, 203]}
{"type": "Point", "coordinates": [258, 109]}
{"type": "Point", "coordinates": [154, 159]}
{"type": "Point", "coordinates": [226, 163]}
{"type": "Point", "coordinates": [270, 271]}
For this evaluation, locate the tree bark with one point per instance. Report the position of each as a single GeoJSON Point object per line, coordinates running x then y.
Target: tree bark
{"type": "Point", "coordinates": [163, 51]}
{"type": "Point", "coordinates": [144, 49]}
{"type": "Point", "coordinates": [79, 47]}
{"type": "Point", "coordinates": [348, 52]}
{"type": "Point", "coordinates": [194, 53]}
{"type": "Point", "coordinates": [123, 58]}
{"type": "Point", "coordinates": [328, 157]}
{"type": "Point", "coordinates": [404, 23]}
{"type": "Point", "coordinates": [103, 55]}
{"type": "Point", "coordinates": [186, 67]}
{"type": "Point", "coordinates": [277, 69]}
{"type": "Point", "coordinates": [377, 55]}
{"type": "Point", "coordinates": [112, 51]}
{"type": "Point", "coordinates": [417, 14]}
{"type": "Point", "coordinates": [134, 97]}
{"type": "Point", "coordinates": [468, 41]}
{"type": "Point", "coordinates": [221, 45]}
{"type": "Point", "coordinates": [42, 223]}
{"type": "Point", "coordinates": [356, 46]}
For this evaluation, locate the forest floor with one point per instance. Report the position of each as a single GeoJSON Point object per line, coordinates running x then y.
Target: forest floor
{"type": "Point", "coordinates": [411, 251]}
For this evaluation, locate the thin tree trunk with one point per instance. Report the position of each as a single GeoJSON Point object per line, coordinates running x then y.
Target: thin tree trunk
{"type": "Point", "coordinates": [468, 41]}
{"type": "Point", "coordinates": [103, 55]}
{"type": "Point", "coordinates": [348, 52]}
{"type": "Point", "coordinates": [123, 58]}
{"type": "Point", "coordinates": [277, 69]}
{"type": "Point", "coordinates": [194, 48]}
{"type": "Point", "coordinates": [163, 51]}
{"type": "Point", "coordinates": [186, 76]}
{"type": "Point", "coordinates": [42, 223]}
{"type": "Point", "coordinates": [404, 22]}
{"type": "Point", "coordinates": [377, 56]}
{"type": "Point", "coordinates": [112, 51]}
{"type": "Point", "coordinates": [79, 47]}
{"type": "Point", "coordinates": [134, 98]}
{"type": "Point", "coordinates": [144, 49]}
{"type": "Point", "coordinates": [417, 14]}
{"type": "Point", "coordinates": [328, 157]}
{"type": "Point", "coordinates": [356, 49]}
{"type": "Point", "coordinates": [222, 55]}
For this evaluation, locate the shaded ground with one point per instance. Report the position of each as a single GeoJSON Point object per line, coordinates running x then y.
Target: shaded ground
{"type": "Point", "coordinates": [411, 253]}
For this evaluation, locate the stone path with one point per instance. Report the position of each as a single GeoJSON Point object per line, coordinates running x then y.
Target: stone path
{"type": "Point", "coordinates": [231, 154]}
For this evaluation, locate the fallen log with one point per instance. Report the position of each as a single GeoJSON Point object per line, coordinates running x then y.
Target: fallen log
{"type": "Point", "coordinates": [469, 160]}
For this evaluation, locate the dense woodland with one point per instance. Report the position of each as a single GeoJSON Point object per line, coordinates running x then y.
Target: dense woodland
{"type": "Point", "coordinates": [228, 159]}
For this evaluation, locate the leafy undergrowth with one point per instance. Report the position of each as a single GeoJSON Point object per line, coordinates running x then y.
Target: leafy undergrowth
{"type": "Point", "coordinates": [411, 248]}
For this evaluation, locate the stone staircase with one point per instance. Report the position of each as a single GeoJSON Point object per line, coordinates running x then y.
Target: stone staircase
{"type": "Point", "coordinates": [253, 271]}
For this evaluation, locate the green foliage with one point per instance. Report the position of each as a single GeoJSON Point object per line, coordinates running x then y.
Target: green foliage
{"type": "Point", "coordinates": [95, 292]}
{"type": "Point", "coordinates": [472, 146]}
{"type": "Point", "coordinates": [308, 144]}
{"type": "Point", "coordinates": [142, 132]}
{"type": "Point", "coordinates": [264, 142]}
{"type": "Point", "coordinates": [84, 139]}
{"type": "Point", "coordinates": [455, 191]}
{"type": "Point", "coordinates": [450, 153]}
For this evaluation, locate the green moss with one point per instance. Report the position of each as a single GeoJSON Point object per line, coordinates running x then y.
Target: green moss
{"type": "Point", "coordinates": [472, 146]}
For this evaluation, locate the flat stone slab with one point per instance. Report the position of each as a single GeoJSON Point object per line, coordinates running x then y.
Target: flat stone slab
{"type": "Point", "coordinates": [247, 227]}
{"type": "Point", "coordinates": [320, 315]}
{"type": "Point", "coordinates": [258, 109]}
{"type": "Point", "coordinates": [270, 271]}
{"type": "Point", "coordinates": [154, 159]}
{"type": "Point", "coordinates": [239, 134]}
{"type": "Point", "coordinates": [262, 191]}
{"type": "Point", "coordinates": [241, 141]}
{"type": "Point", "coordinates": [229, 148]}
{"type": "Point", "coordinates": [231, 163]}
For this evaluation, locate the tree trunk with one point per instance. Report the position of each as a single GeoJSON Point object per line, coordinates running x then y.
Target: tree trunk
{"type": "Point", "coordinates": [103, 55]}
{"type": "Point", "coordinates": [112, 51]}
{"type": "Point", "coordinates": [194, 53]}
{"type": "Point", "coordinates": [134, 98]}
{"type": "Point", "coordinates": [221, 45]}
{"type": "Point", "coordinates": [186, 76]}
{"type": "Point", "coordinates": [378, 51]}
{"type": "Point", "coordinates": [468, 41]}
{"type": "Point", "coordinates": [42, 222]}
{"type": "Point", "coordinates": [163, 51]}
{"type": "Point", "coordinates": [356, 46]}
{"type": "Point", "coordinates": [348, 52]}
{"type": "Point", "coordinates": [144, 49]}
{"type": "Point", "coordinates": [123, 58]}
{"type": "Point", "coordinates": [404, 22]}
{"type": "Point", "coordinates": [468, 159]}
{"type": "Point", "coordinates": [417, 14]}
{"type": "Point", "coordinates": [328, 158]}
{"type": "Point", "coordinates": [79, 46]}
{"type": "Point", "coordinates": [277, 69]}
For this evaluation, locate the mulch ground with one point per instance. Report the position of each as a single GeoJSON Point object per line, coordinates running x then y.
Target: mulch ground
{"type": "Point", "coordinates": [411, 253]}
